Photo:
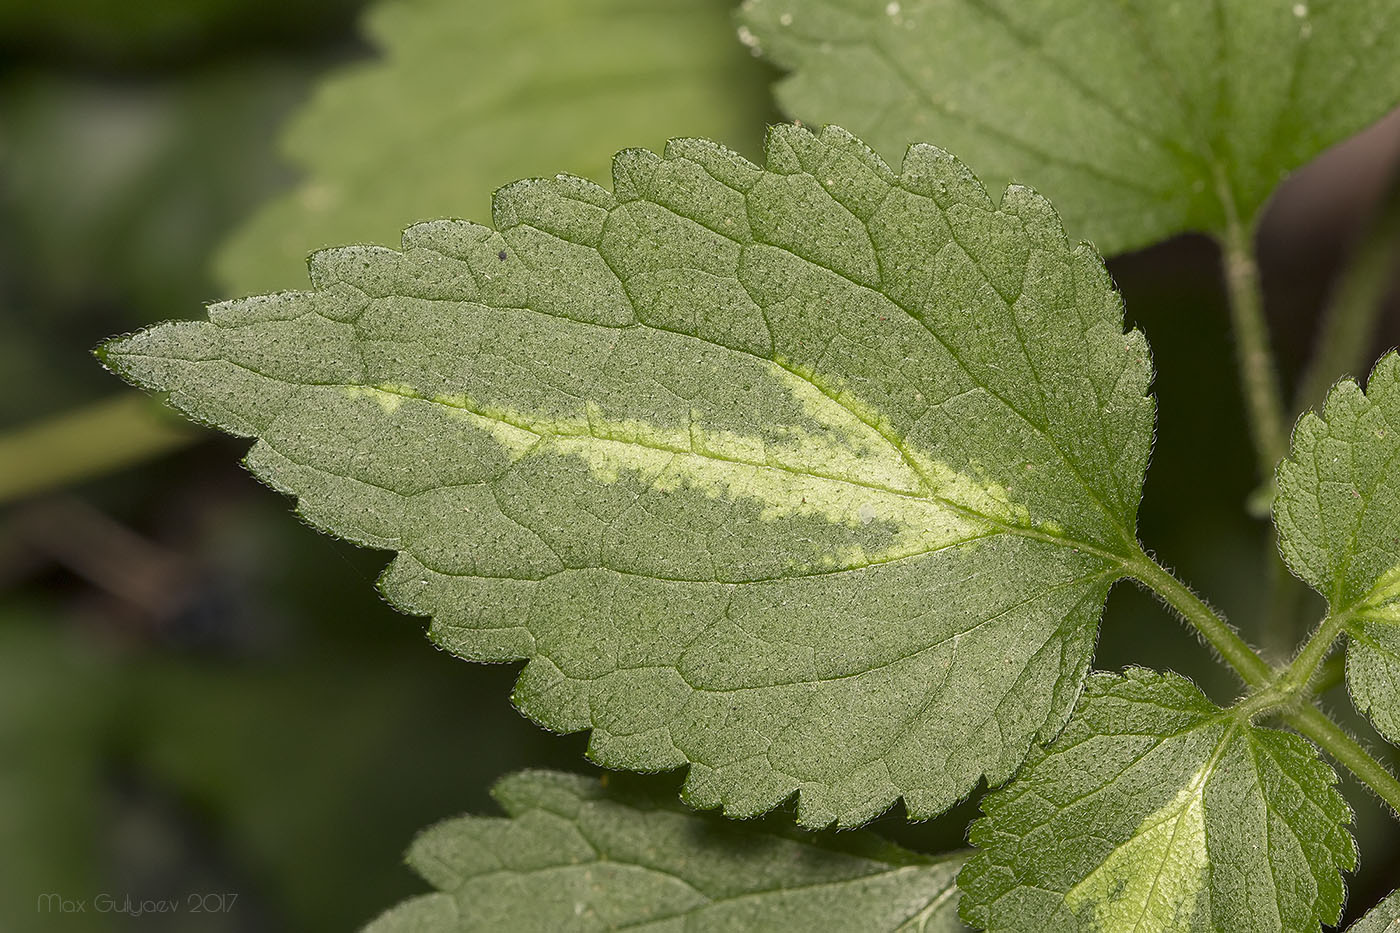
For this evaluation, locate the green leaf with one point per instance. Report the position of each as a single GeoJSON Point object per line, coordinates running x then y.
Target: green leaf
{"type": "Point", "coordinates": [1156, 810]}
{"type": "Point", "coordinates": [471, 96]}
{"type": "Point", "coordinates": [812, 477]}
{"type": "Point", "coordinates": [573, 855]}
{"type": "Point", "coordinates": [1338, 518]}
{"type": "Point", "coordinates": [1383, 918]}
{"type": "Point", "coordinates": [1139, 119]}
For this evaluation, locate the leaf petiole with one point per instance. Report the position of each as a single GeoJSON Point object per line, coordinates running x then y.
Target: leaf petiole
{"type": "Point", "coordinates": [1299, 674]}
{"type": "Point", "coordinates": [1221, 636]}
{"type": "Point", "coordinates": [1271, 690]}
{"type": "Point", "coordinates": [1346, 751]}
{"type": "Point", "coordinates": [1329, 674]}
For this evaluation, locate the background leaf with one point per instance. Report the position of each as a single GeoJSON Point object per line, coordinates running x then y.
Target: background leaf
{"type": "Point", "coordinates": [137, 181]}
{"type": "Point", "coordinates": [470, 96]}
{"type": "Point", "coordinates": [574, 854]}
{"type": "Point", "coordinates": [1156, 810]}
{"type": "Point", "coordinates": [1138, 119]}
{"type": "Point", "coordinates": [723, 453]}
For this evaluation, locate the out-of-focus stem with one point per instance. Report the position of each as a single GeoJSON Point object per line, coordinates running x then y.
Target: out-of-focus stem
{"type": "Point", "coordinates": [1354, 307]}
{"type": "Point", "coordinates": [108, 435]}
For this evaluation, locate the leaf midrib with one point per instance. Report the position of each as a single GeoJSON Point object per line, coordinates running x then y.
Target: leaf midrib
{"type": "Point", "coordinates": [1122, 561]}
{"type": "Point", "coordinates": [1339, 579]}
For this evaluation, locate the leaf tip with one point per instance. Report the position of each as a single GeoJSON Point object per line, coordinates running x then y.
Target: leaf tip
{"type": "Point", "coordinates": [104, 351]}
{"type": "Point", "coordinates": [111, 354]}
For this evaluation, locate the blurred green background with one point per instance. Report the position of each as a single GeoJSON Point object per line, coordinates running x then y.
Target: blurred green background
{"type": "Point", "coordinates": [200, 695]}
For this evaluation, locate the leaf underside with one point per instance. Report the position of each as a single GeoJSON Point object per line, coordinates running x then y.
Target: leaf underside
{"type": "Point", "coordinates": [1158, 811]}
{"type": "Point", "coordinates": [466, 97]}
{"type": "Point", "coordinates": [812, 477]}
{"type": "Point", "coordinates": [1338, 518]}
{"type": "Point", "coordinates": [573, 855]}
{"type": "Point", "coordinates": [1139, 119]}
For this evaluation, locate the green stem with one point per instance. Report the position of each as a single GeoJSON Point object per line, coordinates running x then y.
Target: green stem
{"type": "Point", "coordinates": [1346, 751]}
{"type": "Point", "coordinates": [1271, 691]}
{"type": "Point", "coordinates": [86, 442]}
{"type": "Point", "coordinates": [1258, 376]}
{"type": "Point", "coordinates": [1356, 302]}
{"type": "Point", "coordinates": [1299, 674]}
{"type": "Point", "coordinates": [1236, 652]}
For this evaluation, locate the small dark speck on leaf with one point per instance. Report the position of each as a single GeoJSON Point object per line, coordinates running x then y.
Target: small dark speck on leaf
{"type": "Point", "coordinates": [501, 255]}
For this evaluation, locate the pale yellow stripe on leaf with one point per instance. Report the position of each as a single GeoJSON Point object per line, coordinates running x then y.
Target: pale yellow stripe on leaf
{"type": "Point", "coordinates": [1382, 604]}
{"type": "Point", "coordinates": [849, 475]}
{"type": "Point", "coordinates": [1150, 883]}
{"type": "Point", "coordinates": [917, 525]}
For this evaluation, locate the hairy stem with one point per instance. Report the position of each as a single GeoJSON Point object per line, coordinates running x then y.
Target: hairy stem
{"type": "Point", "coordinates": [1299, 674]}
{"type": "Point", "coordinates": [1236, 652]}
{"type": "Point", "coordinates": [1259, 383]}
{"type": "Point", "coordinates": [1275, 691]}
{"type": "Point", "coordinates": [1356, 302]}
{"type": "Point", "coordinates": [1346, 751]}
